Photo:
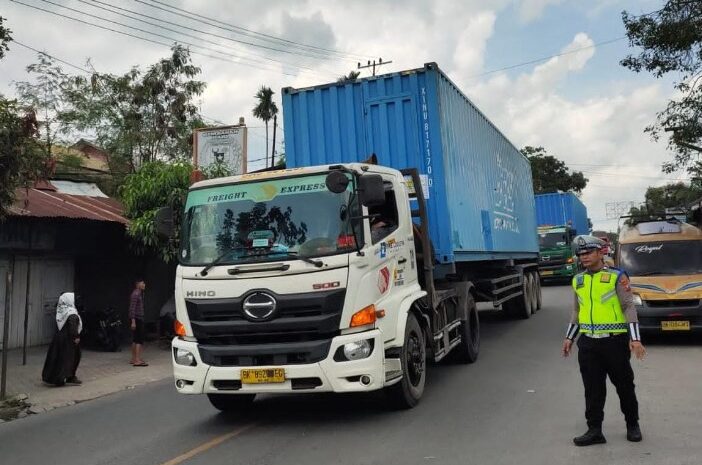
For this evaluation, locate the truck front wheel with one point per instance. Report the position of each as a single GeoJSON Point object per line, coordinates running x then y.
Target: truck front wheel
{"type": "Point", "coordinates": [232, 403]}
{"type": "Point", "coordinates": [413, 358]}
{"type": "Point", "coordinates": [467, 351]}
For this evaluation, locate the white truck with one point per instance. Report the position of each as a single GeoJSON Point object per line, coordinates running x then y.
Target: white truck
{"type": "Point", "coordinates": [349, 277]}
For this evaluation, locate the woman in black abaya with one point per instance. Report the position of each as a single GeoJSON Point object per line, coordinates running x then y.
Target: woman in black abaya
{"type": "Point", "coordinates": [64, 352]}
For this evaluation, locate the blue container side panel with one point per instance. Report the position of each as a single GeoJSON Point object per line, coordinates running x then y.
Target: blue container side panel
{"type": "Point", "coordinates": [561, 208]}
{"type": "Point", "coordinates": [488, 182]}
{"type": "Point", "coordinates": [415, 119]}
{"type": "Point", "coordinates": [386, 116]}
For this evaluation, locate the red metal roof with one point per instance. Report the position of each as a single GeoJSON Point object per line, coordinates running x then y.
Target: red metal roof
{"type": "Point", "coordinates": [45, 202]}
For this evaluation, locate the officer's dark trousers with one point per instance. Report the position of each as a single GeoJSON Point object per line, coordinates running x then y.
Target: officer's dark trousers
{"type": "Point", "coordinates": [599, 358]}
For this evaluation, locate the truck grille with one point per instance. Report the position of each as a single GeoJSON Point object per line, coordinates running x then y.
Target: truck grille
{"type": "Point", "coordinates": [299, 331]}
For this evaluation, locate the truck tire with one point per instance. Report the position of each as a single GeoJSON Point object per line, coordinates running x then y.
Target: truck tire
{"type": "Point", "coordinates": [533, 288]}
{"type": "Point", "coordinates": [520, 306]}
{"type": "Point", "coordinates": [413, 358]}
{"type": "Point", "coordinates": [232, 403]}
{"type": "Point", "coordinates": [467, 351]}
{"type": "Point", "coordinates": [537, 280]}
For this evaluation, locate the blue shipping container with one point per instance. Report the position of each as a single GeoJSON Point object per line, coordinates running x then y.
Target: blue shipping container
{"type": "Point", "coordinates": [561, 209]}
{"type": "Point", "coordinates": [480, 194]}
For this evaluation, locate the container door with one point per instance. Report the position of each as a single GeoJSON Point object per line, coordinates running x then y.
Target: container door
{"type": "Point", "coordinates": [391, 131]}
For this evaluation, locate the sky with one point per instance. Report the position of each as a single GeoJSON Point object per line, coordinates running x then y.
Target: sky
{"type": "Point", "coordinates": [546, 72]}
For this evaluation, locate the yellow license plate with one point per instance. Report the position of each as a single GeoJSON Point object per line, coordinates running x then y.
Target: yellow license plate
{"type": "Point", "coordinates": [675, 325]}
{"type": "Point", "coordinates": [546, 273]}
{"type": "Point", "coordinates": [263, 376]}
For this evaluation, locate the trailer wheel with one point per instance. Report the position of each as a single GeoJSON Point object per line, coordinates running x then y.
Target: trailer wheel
{"type": "Point", "coordinates": [537, 280]}
{"type": "Point", "coordinates": [413, 358]}
{"type": "Point", "coordinates": [520, 306]}
{"type": "Point", "coordinates": [533, 293]}
{"type": "Point", "coordinates": [232, 403]}
{"type": "Point", "coordinates": [467, 351]}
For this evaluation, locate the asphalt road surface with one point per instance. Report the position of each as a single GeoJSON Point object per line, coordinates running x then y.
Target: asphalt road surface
{"type": "Point", "coordinates": [521, 403]}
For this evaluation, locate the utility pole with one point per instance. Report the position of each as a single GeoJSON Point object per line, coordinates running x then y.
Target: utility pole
{"type": "Point", "coordinates": [373, 64]}
{"type": "Point", "coordinates": [275, 125]}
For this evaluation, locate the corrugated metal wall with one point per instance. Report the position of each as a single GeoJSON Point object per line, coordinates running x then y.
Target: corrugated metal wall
{"type": "Point", "coordinates": [561, 208]}
{"type": "Point", "coordinates": [480, 195]}
{"type": "Point", "coordinates": [488, 181]}
{"type": "Point", "coordinates": [49, 278]}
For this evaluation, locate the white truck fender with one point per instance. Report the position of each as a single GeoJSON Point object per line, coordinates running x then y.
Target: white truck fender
{"type": "Point", "coordinates": [402, 312]}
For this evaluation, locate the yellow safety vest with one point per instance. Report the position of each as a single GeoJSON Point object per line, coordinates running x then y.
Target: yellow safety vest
{"type": "Point", "coordinates": [600, 309]}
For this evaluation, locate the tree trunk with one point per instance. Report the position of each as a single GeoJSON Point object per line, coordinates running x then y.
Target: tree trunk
{"type": "Point", "coordinates": [275, 124]}
{"type": "Point", "coordinates": [266, 143]}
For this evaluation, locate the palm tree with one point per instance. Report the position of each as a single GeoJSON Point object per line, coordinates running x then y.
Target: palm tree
{"type": "Point", "coordinates": [351, 77]}
{"type": "Point", "coordinates": [265, 109]}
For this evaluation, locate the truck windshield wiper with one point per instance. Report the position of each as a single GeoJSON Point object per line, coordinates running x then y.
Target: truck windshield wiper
{"type": "Point", "coordinates": [219, 259]}
{"type": "Point", "coordinates": [651, 273]}
{"type": "Point", "coordinates": [317, 263]}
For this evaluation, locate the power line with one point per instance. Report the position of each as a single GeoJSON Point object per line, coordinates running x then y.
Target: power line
{"type": "Point", "coordinates": [539, 60]}
{"type": "Point", "coordinates": [251, 44]}
{"type": "Point", "coordinates": [51, 56]}
{"type": "Point", "coordinates": [145, 38]}
{"type": "Point", "coordinates": [93, 3]}
{"type": "Point", "coordinates": [246, 32]}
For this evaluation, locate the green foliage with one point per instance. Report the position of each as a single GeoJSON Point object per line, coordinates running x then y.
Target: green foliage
{"type": "Point", "coordinates": [139, 117]}
{"type": "Point", "coordinates": [351, 77]}
{"type": "Point", "coordinates": [671, 42]}
{"type": "Point", "coordinates": [550, 174]}
{"type": "Point", "coordinates": [676, 196]}
{"type": "Point", "coordinates": [21, 161]}
{"type": "Point", "coordinates": [46, 96]}
{"type": "Point", "coordinates": [5, 38]}
{"type": "Point", "coordinates": [156, 184]}
{"type": "Point", "coordinates": [218, 169]}
{"type": "Point", "coordinates": [265, 110]}
{"type": "Point", "coordinates": [71, 160]}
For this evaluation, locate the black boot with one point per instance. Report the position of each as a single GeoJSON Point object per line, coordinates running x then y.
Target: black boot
{"type": "Point", "coordinates": [633, 432]}
{"type": "Point", "coordinates": [593, 436]}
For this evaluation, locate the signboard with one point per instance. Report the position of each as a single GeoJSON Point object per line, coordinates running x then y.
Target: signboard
{"type": "Point", "coordinates": [226, 144]}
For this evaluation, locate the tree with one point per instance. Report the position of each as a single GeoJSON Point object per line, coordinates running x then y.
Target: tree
{"type": "Point", "coordinates": [140, 117]}
{"type": "Point", "coordinates": [676, 196]}
{"type": "Point", "coordinates": [351, 77]}
{"type": "Point", "coordinates": [265, 109]}
{"type": "Point", "coordinates": [5, 38]}
{"type": "Point", "coordinates": [671, 42]}
{"type": "Point", "coordinates": [46, 96]}
{"type": "Point", "coordinates": [550, 174]}
{"type": "Point", "coordinates": [21, 161]}
{"type": "Point", "coordinates": [157, 184]}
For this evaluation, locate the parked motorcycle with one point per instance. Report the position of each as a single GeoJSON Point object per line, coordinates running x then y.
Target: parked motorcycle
{"type": "Point", "coordinates": [102, 329]}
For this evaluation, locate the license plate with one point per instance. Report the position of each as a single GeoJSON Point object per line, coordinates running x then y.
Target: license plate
{"type": "Point", "coordinates": [263, 376]}
{"type": "Point", "coordinates": [675, 325]}
{"type": "Point", "coordinates": [546, 273]}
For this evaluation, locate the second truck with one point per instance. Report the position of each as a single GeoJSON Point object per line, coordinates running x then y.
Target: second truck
{"type": "Point", "coordinates": [340, 275]}
{"type": "Point", "coordinates": [560, 217]}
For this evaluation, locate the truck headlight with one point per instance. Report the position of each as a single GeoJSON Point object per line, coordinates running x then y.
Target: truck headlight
{"type": "Point", "coordinates": [357, 350]}
{"type": "Point", "coordinates": [184, 357]}
{"type": "Point", "coordinates": [637, 300]}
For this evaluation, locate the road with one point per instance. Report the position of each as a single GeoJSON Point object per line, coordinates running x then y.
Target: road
{"type": "Point", "coordinates": [521, 403]}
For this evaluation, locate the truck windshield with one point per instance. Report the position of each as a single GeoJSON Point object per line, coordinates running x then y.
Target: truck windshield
{"type": "Point", "coordinates": [553, 239]}
{"type": "Point", "coordinates": [662, 258]}
{"type": "Point", "coordinates": [269, 220]}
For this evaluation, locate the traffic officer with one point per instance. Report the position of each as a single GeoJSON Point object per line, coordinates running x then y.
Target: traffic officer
{"type": "Point", "coordinates": [605, 316]}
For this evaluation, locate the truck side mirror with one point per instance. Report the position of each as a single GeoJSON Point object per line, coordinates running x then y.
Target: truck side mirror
{"type": "Point", "coordinates": [337, 182]}
{"type": "Point", "coordinates": [371, 190]}
{"type": "Point", "coordinates": [571, 233]}
{"type": "Point", "coordinates": [163, 220]}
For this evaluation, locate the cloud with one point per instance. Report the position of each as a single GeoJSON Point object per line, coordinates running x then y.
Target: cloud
{"type": "Point", "coordinates": [601, 135]}
{"type": "Point", "coordinates": [470, 47]}
{"type": "Point", "coordinates": [530, 10]}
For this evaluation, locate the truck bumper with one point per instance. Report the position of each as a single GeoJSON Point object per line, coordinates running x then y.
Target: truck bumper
{"type": "Point", "coordinates": [327, 375]}
{"type": "Point", "coordinates": [670, 316]}
{"type": "Point", "coordinates": [561, 272]}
